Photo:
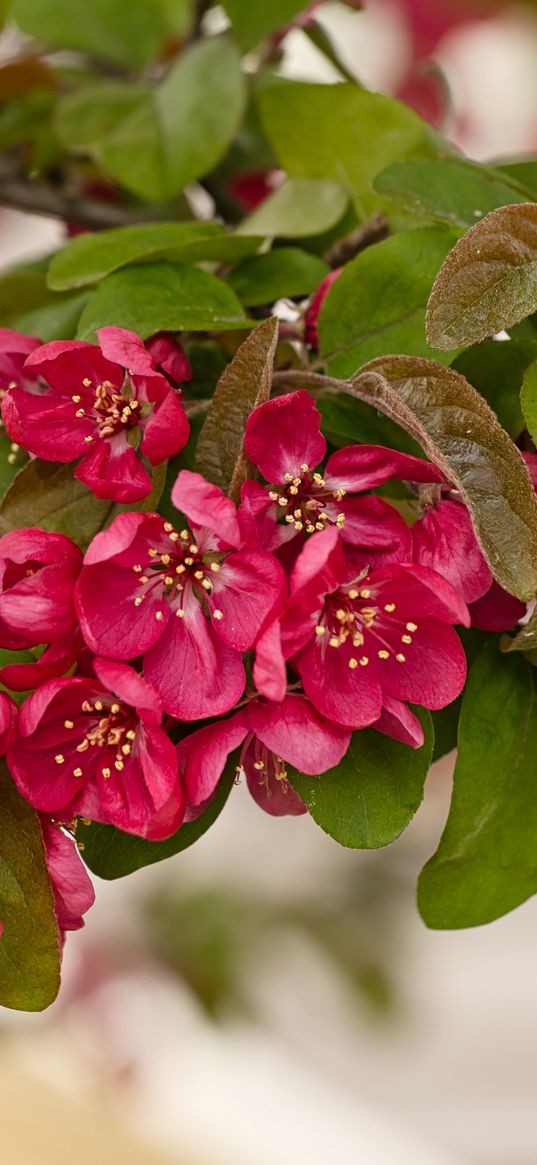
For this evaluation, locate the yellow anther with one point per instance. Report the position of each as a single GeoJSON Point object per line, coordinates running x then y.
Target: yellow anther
{"type": "Point", "coordinates": [131, 735]}
{"type": "Point", "coordinates": [77, 772]}
{"type": "Point", "coordinates": [76, 398]}
{"type": "Point", "coordinates": [288, 477]}
{"type": "Point", "coordinates": [189, 561]}
{"type": "Point", "coordinates": [363, 661]}
{"type": "Point", "coordinates": [98, 706]}
{"type": "Point", "coordinates": [138, 600]}
{"type": "Point", "coordinates": [115, 709]}
{"type": "Point", "coordinates": [118, 764]}
{"type": "Point", "coordinates": [299, 525]}
{"type": "Point", "coordinates": [125, 748]}
{"type": "Point", "coordinates": [88, 439]}
{"type": "Point", "coordinates": [319, 630]}
{"type": "Point", "coordinates": [159, 616]}
{"type": "Point", "coordinates": [365, 594]}
{"type": "Point", "coordinates": [297, 481]}
{"type": "Point", "coordinates": [168, 527]}
{"type": "Point", "coordinates": [341, 615]}
{"type": "Point", "coordinates": [106, 774]}
{"type": "Point", "coordinates": [84, 744]}
{"type": "Point", "coordinates": [258, 764]}
{"type": "Point", "coordinates": [273, 495]}
{"type": "Point", "coordinates": [389, 607]}
{"type": "Point", "coordinates": [215, 567]}
{"type": "Point", "coordinates": [165, 558]}
{"type": "Point", "coordinates": [318, 479]}
{"type": "Point", "coordinates": [353, 663]}
{"type": "Point", "coordinates": [283, 502]}
{"type": "Point", "coordinates": [179, 614]}
{"type": "Point", "coordinates": [406, 639]}
{"type": "Point", "coordinates": [304, 467]}
{"type": "Point", "coordinates": [80, 413]}
{"type": "Point", "coordinates": [353, 594]}
{"type": "Point", "coordinates": [384, 655]}
{"type": "Point", "coordinates": [152, 552]}
{"type": "Point", "coordinates": [87, 382]}
{"type": "Point", "coordinates": [68, 724]}
{"type": "Point", "coordinates": [169, 580]}
{"type": "Point", "coordinates": [174, 537]}
{"type": "Point", "coordinates": [137, 569]}
{"type": "Point", "coordinates": [180, 569]}
{"type": "Point", "coordinates": [293, 489]}
{"type": "Point", "coordinates": [412, 627]}
{"type": "Point", "coordinates": [319, 525]}
{"type": "Point", "coordinates": [144, 578]}
{"type": "Point", "coordinates": [207, 584]}
{"type": "Point", "coordinates": [333, 641]}
{"type": "Point", "coordinates": [184, 535]}
{"type": "Point", "coordinates": [194, 548]}
{"type": "Point", "coordinates": [217, 614]}
{"type": "Point", "coordinates": [59, 758]}
{"type": "Point", "coordinates": [199, 574]}
{"type": "Point", "coordinates": [400, 657]}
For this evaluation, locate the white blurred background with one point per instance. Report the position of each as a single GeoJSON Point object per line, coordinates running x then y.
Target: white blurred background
{"type": "Point", "coordinates": [267, 998]}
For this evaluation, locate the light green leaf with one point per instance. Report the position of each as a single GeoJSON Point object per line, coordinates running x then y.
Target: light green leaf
{"type": "Point", "coordinates": [29, 948]}
{"type": "Point", "coordinates": [169, 296]}
{"type": "Point", "coordinates": [285, 271]}
{"type": "Point", "coordinates": [449, 189]}
{"type": "Point", "coordinates": [105, 29]}
{"type": "Point", "coordinates": [252, 21]}
{"type": "Point", "coordinates": [528, 398]}
{"type": "Point", "coordinates": [377, 305]}
{"type": "Point", "coordinates": [341, 132]}
{"type": "Point", "coordinates": [90, 257]}
{"type": "Point", "coordinates": [371, 796]}
{"type": "Point", "coordinates": [302, 207]}
{"type": "Point", "coordinates": [486, 863]}
{"type": "Point", "coordinates": [57, 320]}
{"type": "Point", "coordinates": [460, 433]}
{"type": "Point", "coordinates": [488, 281]}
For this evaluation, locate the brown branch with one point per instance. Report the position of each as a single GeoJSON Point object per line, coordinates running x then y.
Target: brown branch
{"type": "Point", "coordinates": [363, 236]}
{"type": "Point", "coordinates": [38, 197]}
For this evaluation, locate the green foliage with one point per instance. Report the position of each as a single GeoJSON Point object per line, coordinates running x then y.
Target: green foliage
{"type": "Point", "coordinates": [377, 305]}
{"type": "Point", "coordinates": [91, 257]}
{"type": "Point", "coordinates": [486, 863]}
{"type": "Point", "coordinates": [103, 29]}
{"type": "Point", "coordinates": [528, 398]}
{"type": "Point", "coordinates": [458, 431]}
{"type": "Point", "coordinates": [488, 282]}
{"type": "Point", "coordinates": [285, 271]}
{"type": "Point", "coordinates": [302, 207]}
{"type": "Point", "coordinates": [342, 132]}
{"type": "Point", "coordinates": [498, 371]}
{"type": "Point", "coordinates": [153, 296]}
{"type": "Point", "coordinates": [372, 795]}
{"type": "Point", "coordinates": [29, 948]}
{"type": "Point", "coordinates": [253, 21]}
{"type": "Point", "coordinates": [451, 190]}
{"type": "Point", "coordinates": [245, 383]}
{"type": "Point", "coordinates": [112, 854]}
{"type": "Point", "coordinates": [157, 140]}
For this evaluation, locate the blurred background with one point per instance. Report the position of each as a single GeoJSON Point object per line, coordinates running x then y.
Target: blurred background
{"type": "Point", "coordinates": [267, 998]}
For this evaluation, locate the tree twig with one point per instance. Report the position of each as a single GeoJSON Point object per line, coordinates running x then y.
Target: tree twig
{"type": "Point", "coordinates": [39, 197]}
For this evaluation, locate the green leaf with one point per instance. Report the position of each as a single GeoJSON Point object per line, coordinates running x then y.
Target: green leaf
{"type": "Point", "coordinates": [346, 421]}
{"type": "Point", "coordinates": [372, 795]}
{"type": "Point", "coordinates": [449, 189]}
{"type": "Point", "coordinates": [377, 305]}
{"type": "Point", "coordinates": [252, 22]}
{"type": "Point", "coordinates": [341, 132]}
{"type": "Point", "coordinates": [286, 271]}
{"type": "Point", "coordinates": [497, 371]}
{"type": "Point", "coordinates": [152, 296]}
{"type": "Point", "coordinates": [245, 383]}
{"type": "Point", "coordinates": [110, 854]}
{"type": "Point", "coordinates": [486, 863]}
{"type": "Point", "coordinates": [57, 320]}
{"type": "Point", "coordinates": [105, 29]}
{"type": "Point", "coordinates": [302, 207]}
{"type": "Point", "coordinates": [460, 433]}
{"type": "Point", "coordinates": [85, 117]}
{"type": "Point", "coordinates": [528, 399]}
{"type": "Point", "coordinates": [169, 135]}
{"type": "Point", "coordinates": [488, 281]}
{"type": "Point", "coordinates": [29, 948]}
{"type": "Point", "coordinates": [91, 257]}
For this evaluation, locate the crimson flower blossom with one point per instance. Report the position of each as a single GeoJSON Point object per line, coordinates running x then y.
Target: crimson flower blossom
{"type": "Point", "coordinates": [98, 404]}
{"type": "Point", "coordinates": [38, 571]}
{"type": "Point", "coordinates": [71, 886]}
{"type": "Point", "coordinates": [94, 747]}
{"type": "Point", "coordinates": [169, 357]}
{"type": "Point", "coordinates": [189, 601]}
{"type": "Point", "coordinates": [14, 351]}
{"type": "Point", "coordinates": [361, 645]}
{"type": "Point", "coordinates": [271, 734]}
{"type": "Point", "coordinates": [311, 318]}
{"type": "Point", "coordinates": [283, 439]}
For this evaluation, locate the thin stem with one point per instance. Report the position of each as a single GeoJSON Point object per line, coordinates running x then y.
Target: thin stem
{"type": "Point", "coordinates": [38, 197]}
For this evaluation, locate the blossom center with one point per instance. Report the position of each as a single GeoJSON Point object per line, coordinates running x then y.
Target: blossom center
{"type": "Point", "coordinates": [101, 726]}
{"type": "Point", "coordinates": [262, 765]}
{"type": "Point", "coordinates": [306, 503]}
{"type": "Point", "coordinates": [171, 566]}
{"type": "Point", "coordinates": [355, 621]}
{"type": "Point", "coordinates": [113, 410]}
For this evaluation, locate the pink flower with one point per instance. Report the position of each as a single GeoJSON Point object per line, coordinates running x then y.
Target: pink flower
{"type": "Point", "coordinates": [190, 602]}
{"type": "Point", "coordinates": [97, 404]}
{"type": "Point", "coordinates": [14, 350]}
{"type": "Point", "coordinates": [355, 641]}
{"type": "Point", "coordinates": [71, 887]}
{"type": "Point", "coordinates": [271, 734]}
{"type": "Point", "coordinates": [8, 721]}
{"type": "Point", "coordinates": [283, 439]}
{"type": "Point", "coordinates": [311, 318]}
{"type": "Point", "coordinates": [169, 357]}
{"type": "Point", "coordinates": [94, 748]}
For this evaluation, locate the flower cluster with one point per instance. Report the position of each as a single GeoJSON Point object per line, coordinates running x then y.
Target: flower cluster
{"type": "Point", "coordinates": [270, 630]}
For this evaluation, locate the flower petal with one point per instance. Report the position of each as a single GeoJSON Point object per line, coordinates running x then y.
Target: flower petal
{"type": "Point", "coordinates": [132, 689]}
{"type": "Point", "coordinates": [269, 670]}
{"type": "Point", "coordinates": [203, 755]}
{"type": "Point", "coordinates": [283, 435]}
{"type": "Point", "coordinates": [358, 467]}
{"type": "Point", "coordinates": [444, 540]}
{"type": "Point", "coordinates": [112, 469]}
{"type": "Point", "coordinates": [249, 591]}
{"type": "Point", "coordinates": [432, 671]}
{"type": "Point", "coordinates": [195, 674]}
{"type": "Point", "coordinates": [166, 431]}
{"type": "Point", "coordinates": [295, 731]}
{"type": "Point", "coordinates": [497, 610]}
{"type": "Point", "coordinates": [348, 696]}
{"type": "Point", "coordinates": [46, 425]}
{"type": "Point", "coordinates": [205, 505]}
{"type": "Point", "coordinates": [396, 720]}
{"type": "Point", "coordinates": [67, 364]}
